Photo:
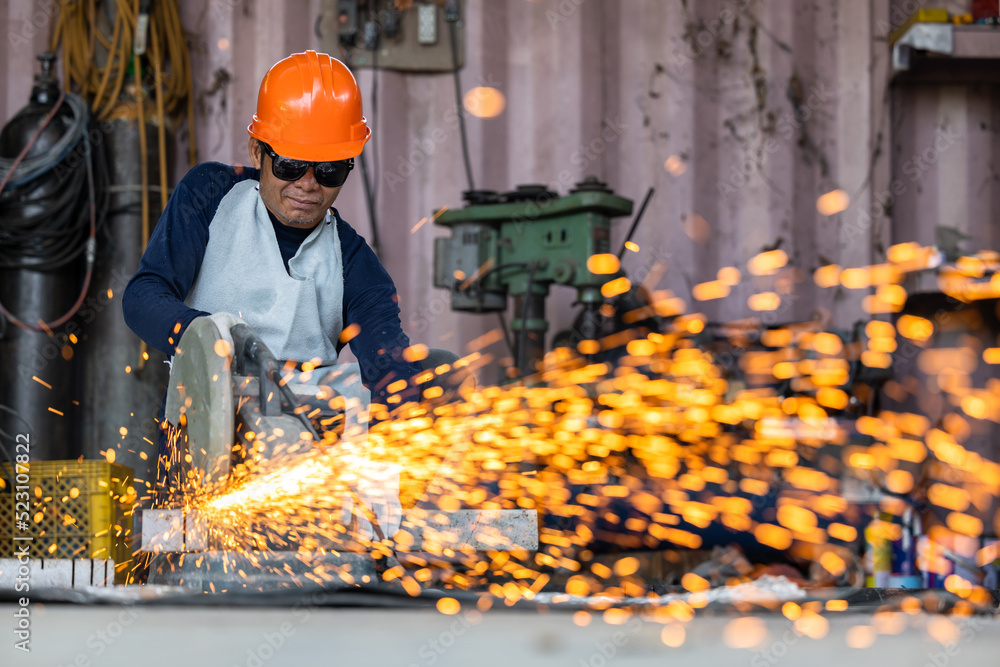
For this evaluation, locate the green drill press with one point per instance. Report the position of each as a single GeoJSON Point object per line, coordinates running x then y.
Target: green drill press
{"type": "Point", "coordinates": [519, 244]}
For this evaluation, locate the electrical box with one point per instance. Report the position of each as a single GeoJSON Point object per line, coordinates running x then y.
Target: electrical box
{"type": "Point", "coordinates": [416, 38]}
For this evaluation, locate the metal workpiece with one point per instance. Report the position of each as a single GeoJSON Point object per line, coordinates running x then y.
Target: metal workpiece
{"type": "Point", "coordinates": [222, 571]}
{"type": "Point", "coordinates": [188, 530]}
{"type": "Point", "coordinates": [185, 552]}
{"type": "Point", "coordinates": [460, 530]}
{"type": "Point", "coordinates": [173, 530]}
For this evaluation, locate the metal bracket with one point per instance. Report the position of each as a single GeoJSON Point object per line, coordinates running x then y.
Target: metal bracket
{"type": "Point", "coordinates": [418, 39]}
{"type": "Point", "coordinates": [933, 37]}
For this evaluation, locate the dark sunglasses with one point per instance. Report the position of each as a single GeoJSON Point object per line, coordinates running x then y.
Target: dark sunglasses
{"type": "Point", "coordinates": [328, 174]}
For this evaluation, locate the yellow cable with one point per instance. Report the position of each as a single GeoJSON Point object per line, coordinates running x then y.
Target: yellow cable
{"type": "Point", "coordinates": [124, 47]}
{"type": "Point", "coordinates": [128, 21]}
{"type": "Point", "coordinates": [144, 170]}
{"type": "Point", "coordinates": [92, 20]}
{"type": "Point", "coordinates": [76, 35]}
{"type": "Point", "coordinates": [57, 29]}
{"type": "Point", "coordinates": [106, 73]}
{"type": "Point", "coordinates": [140, 98]}
{"type": "Point", "coordinates": [161, 124]}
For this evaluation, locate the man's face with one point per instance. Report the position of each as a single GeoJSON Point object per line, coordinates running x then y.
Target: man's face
{"type": "Point", "coordinates": [302, 203]}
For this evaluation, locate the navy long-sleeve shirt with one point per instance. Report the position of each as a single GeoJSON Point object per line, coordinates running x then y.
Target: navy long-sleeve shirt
{"type": "Point", "coordinates": [153, 302]}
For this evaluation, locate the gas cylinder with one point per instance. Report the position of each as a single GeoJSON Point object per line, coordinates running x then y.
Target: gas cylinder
{"type": "Point", "coordinates": [45, 224]}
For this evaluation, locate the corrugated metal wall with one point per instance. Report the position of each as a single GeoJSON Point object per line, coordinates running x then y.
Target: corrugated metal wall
{"type": "Point", "coordinates": [946, 143]}
{"type": "Point", "coordinates": [946, 138]}
{"type": "Point", "coordinates": [739, 112]}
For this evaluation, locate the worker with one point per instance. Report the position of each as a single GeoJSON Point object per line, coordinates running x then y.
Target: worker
{"type": "Point", "coordinates": [265, 246]}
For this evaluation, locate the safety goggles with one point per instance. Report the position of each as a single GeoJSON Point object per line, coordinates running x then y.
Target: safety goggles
{"type": "Point", "coordinates": [328, 174]}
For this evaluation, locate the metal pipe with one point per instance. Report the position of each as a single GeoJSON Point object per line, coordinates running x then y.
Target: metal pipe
{"type": "Point", "coordinates": [121, 389]}
{"type": "Point", "coordinates": [37, 382]}
{"type": "Point", "coordinates": [529, 336]}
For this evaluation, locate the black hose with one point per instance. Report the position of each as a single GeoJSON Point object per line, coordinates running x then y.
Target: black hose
{"type": "Point", "coordinates": [506, 331]}
{"type": "Point", "coordinates": [28, 169]}
{"type": "Point", "coordinates": [485, 274]}
{"type": "Point", "coordinates": [635, 223]}
{"type": "Point", "coordinates": [369, 199]}
{"type": "Point", "coordinates": [49, 231]}
{"type": "Point", "coordinates": [458, 101]}
{"type": "Point", "coordinates": [376, 174]}
{"type": "Point", "coordinates": [17, 414]}
{"type": "Point", "coordinates": [365, 174]}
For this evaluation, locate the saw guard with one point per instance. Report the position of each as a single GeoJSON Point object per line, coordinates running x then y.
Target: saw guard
{"type": "Point", "coordinates": [200, 404]}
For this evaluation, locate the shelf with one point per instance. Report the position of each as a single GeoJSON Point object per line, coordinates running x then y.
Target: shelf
{"type": "Point", "coordinates": [945, 41]}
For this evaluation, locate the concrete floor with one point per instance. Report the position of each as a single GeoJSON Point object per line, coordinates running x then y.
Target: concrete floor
{"type": "Point", "coordinates": [108, 636]}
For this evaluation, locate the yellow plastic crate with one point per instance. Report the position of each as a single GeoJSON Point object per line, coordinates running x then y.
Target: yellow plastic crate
{"type": "Point", "coordinates": [78, 509]}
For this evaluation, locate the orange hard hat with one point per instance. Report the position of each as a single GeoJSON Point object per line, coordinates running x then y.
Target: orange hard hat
{"type": "Point", "coordinates": [309, 108]}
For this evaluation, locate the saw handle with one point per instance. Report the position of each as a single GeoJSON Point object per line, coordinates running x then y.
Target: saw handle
{"type": "Point", "coordinates": [252, 357]}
